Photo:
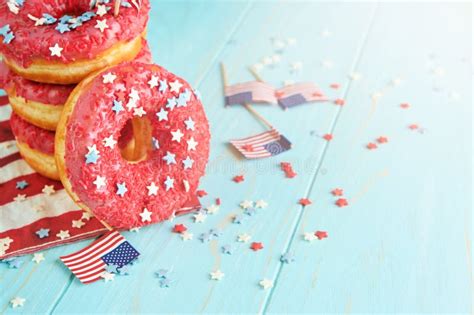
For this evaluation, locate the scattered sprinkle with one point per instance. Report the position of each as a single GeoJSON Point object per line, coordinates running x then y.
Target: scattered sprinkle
{"type": "Point", "coordinates": [327, 137]}
{"type": "Point", "coordinates": [339, 101]}
{"type": "Point", "coordinates": [337, 192]}
{"type": "Point", "coordinates": [63, 234]}
{"type": "Point", "coordinates": [199, 217]}
{"type": "Point", "coordinates": [262, 204]}
{"type": "Point", "coordinates": [321, 234]}
{"type": "Point", "coordinates": [246, 204]}
{"type": "Point", "coordinates": [287, 258]}
{"type": "Point", "coordinates": [179, 228]}
{"type": "Point", "coordinates": [201, 193]}
{"type": "Point", "coordinates": [371, 146]}
{"type": "Point", "coordinates": [56, 50]}
{"type": "Point", "coordinates": [266, 284]}
{"type": "Point", "coordinates": [341, 202]}
{"type": "Point", "coordinates": [305, 202]}
{"type": "Point", "coordinates": [238, 178]}
{"type": "Point", "coordinates": [217, 275]}
{"type": "Point", "coordinates": [256, 246]}
{"type": "Point", "coordinates": [309, 236]}
{"type": "Point", "coordinates": [38, 257]}
{"type": "Point", "coordinates": [382, 139]}
{"type": "Point", "coordinates": [243, 238]}
{"type": "Point", "coordinates": [186, 236]}
{"type": "Point", "coordinates": [17, 302]}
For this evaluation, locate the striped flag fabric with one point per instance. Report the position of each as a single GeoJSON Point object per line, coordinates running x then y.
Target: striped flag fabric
{"type": "Point", "coordinates": [249, 92]}
{"type": "Point", "coordinates": [262, 145]}
{"type": "Point", "coordinates": [90, 263]}
{"type": "Point", "coordinates": [299, 93]}
{"type": "Point", "coordinates": [33, 218]}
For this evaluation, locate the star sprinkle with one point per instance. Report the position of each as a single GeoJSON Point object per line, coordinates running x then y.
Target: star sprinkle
{"type": "Point", "coordinates": [246, 204]}
{"type": "Point", "coordinates": [327, 137]}
{"type": "Point", "coordinates": [337, 192]}
{"type": "Point", "coordinates": [63, 234]}
{"type": "Point", "coordinates": [305, 202]}
{"type": "Point", "coordinates": [179, 228]}
{"type": "Point", "coordinates": [42, 233]}
{"type": "Point", "coordinates": [182, 100]}
{"type": "Point", "coordinates": [250, 212]}
{"type": "Point", "coordinates": [341, 202]}
{"type": "Point", "coordinates": [101, 10]}
{"type": "Point", "coordinates": [145, 215]}
{"type": "Point", "coordinates": [38, 257]}
{"type": "Point", "coordinates": [227, 249]}
{"type": "Point", "coordinates": [17, 302]}
{"type": "Point", "coordinates": [188, 163]}
{"type": "Point", "coordinates": [62, 28]}
{"type": "Point", "coordinates": [22, 184]}
{"type": "Point", "coordinates": [169, 183]}
{"type": "Point", "coordinates": [107, 276]}
{"type": "Point", "coordinates": [77, 224]}
{"type": "Point", "coordinates": [288, 169]}
{"type": "Point", "coordinates": [201, 193]}
{"type": "Point", "coordinates": [109, 142]}
{"type": "Point", "coordinates": [101, 25]}
{"type": "Point", "coordinates": [170, 158]}
{"type": "Point", "coordinates": [256, 246]}
{"type": "Point", "coordinates": [189, 124]}
{"type": "Point", "coordinates": [287, 258]}
{"type": "Point", "coordinates": [152, 189]}
{"type": "Point", "coordinates": [48, 190]}
{"type": "Point", "coordinates": [108, 78]}
{"type": "Point", "coordinates": [371, 146]}
{"type": "Point", "coordinates": [153, 81]}
{"type": "Point", "coordinates": [413, 126]}
{"type": "Point", "coordinates": [186, 236]}
{"type": "Point", "coordinates": [111, 268]}
{"type": "Point", "coordinates": [266, 284]}
{"type": "Point", "coordinates": [205, 237]}
{"type": "Point", "coordinates": [171, 104]}
{"type": "Point", "coordinates": [199, 217]}
{"type": "Point", "coordinates": [243, 238]}
{"type": "Point", "coordinates": [191, 144]}
{"type": "Point", "coordinates": [296, 66]}
{"type": "Point", "coordinates": [212, 209]}
{"type": "Point", "coordinates": [355, 76]}
{"type": "Point", "coordinates": [93, 155]}
{"type": "Point", "coordinates": [56, 50]}
{"type": "Point", "coordinates": [177, 135]}
{"type": "Point", "coordinates": [321, 234]}
{"type": "Point", "coordinates": [121, 189]}
{"type": "Point", "coordinates": [262, 204]}
{"type": "Point", "coordinates": [139, 111]}
{"type": "Point", "coordinates": [99, 182]}
{"type": "Point", "coordinates": [118, 107]}
{"type": "Point", "coordinates": [86, 215]}
{"type": "Point", "coordinates": [163, 86]}
{"type": "Point", "coordinates": [339, 101]}
{"type": "Point", "coordinates": [217, 275]}
{"type": "Point", "coordinates": [382, 139]}
{"type": "Point", "coordinates": [20, 198]}
{"type": "Point", "coordinates": [308, 236]}
{"type": "Point", "coordinates": [13, 262]}
{"type": "Point", "coordinates": [405, 105]}
{"type": "Point", "coordinates": [238, 219]}
{"type": "Point", "coordinates": [238, 178]}
{"type": "Point", "coordinates": [175, 86]}
{"type": "Point", "coordinates": [162, 114]}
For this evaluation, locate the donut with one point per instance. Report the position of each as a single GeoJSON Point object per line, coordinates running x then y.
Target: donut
{"type": "Point", "coordinates": [63, 41]}
{"type": "Point", "coordinates": [41, 104]}
{"type": "Point", "coordinates": [174, 140]}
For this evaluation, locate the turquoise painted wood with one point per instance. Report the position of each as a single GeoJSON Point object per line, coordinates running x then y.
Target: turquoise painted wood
{"type": "Point", "coordinates": [404, 242]}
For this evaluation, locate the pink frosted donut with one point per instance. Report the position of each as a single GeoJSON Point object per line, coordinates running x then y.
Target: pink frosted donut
{"type": "Point", "coordinates": [41, 104]}
{"type": "Point", "coordinates": [174, 137]}
{"type": "Point", "coordinates": [62, 41]}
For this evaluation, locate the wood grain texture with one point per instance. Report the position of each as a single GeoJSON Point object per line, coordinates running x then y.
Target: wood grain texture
{"type": "Point", "coordinates": [404, 242]}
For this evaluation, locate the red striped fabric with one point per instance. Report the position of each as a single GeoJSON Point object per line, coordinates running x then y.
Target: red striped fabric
{"type": "Point", "coordinates": [253, 147]}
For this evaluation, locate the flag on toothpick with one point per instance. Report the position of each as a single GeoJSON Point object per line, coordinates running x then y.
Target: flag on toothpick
{"type": "Point", "coordinates": [299, 93]}
{"type": "Point", "coordinates": [249, 92]}
{"type": "Point", "coordinates": [266, 144]}
{"type": "Point", "coordinates": [90, 263]}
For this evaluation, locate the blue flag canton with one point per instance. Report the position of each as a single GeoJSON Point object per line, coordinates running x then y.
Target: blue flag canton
{"type": "Point", "coordinates": [278, 146]}
{"type": "Point", "coordinates": [121, 256]}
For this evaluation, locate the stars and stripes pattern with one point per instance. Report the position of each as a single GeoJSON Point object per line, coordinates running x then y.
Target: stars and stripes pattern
{"type": "Point", "coordinates": [89, 264]}
{"type": "Point", "coordinates": [249, 92]}
{"type": "Point", "coordinates": [262, 145]}
{"type": "Point", "coordinates": [24, 212]}
{"type": "Point", "coordinates": [299, 93]}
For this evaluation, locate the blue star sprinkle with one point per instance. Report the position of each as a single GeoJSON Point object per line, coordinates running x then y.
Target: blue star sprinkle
{"type": "Point", "coordinates": [21, 184]}
{"type": "Point", "coordinates": [65, 18]}
{"type": "Point", "coordinates": [49, 19]}
{"type": "Point", "coordinates": [62, 28]}
{"type": "Point", "coordinates": [118, 107]}
{"type": "Point", "coordinates": [172, 102]}
{"type": "Point", "coordinates": [227, 249]}
{"type": "Point", "coordinates": [124, 270]}
{"type": "Point", "coordinates": [154, 143]}
{"type": "Point", "coordinates": [205, 237]}
{"type": "Point", "coordinates": [287, 258]}
{"type": "Point", "coordinates": [181, 102]}
{"type": "Point", "coordinates": [165, 283]}
{"type": "Point", "coordinates": [238, 219]}
{"type": "Point", "coordinates": [162, 273]}
{"type": "Point", "coordinates": [8, 38]}
{"type": "Point", "coordinates": [215, 232]}
{"type": "Point", "coordinates": [20, 2]}
{"type": "Point", "coordinates": [13, 262]}
{"type": "Point", "coordinates": [4, 30]}
{"type": "Point", "coordinates": [250, 211]}
{"type": "Point", "coordinates": [93, 155]}
{"type": "Point", "coordinates": [163, 86]}
{"type": "Point", "coordinates": [186, 95]}
{"type": "Point", "coordinates": [86, 16]}
{"type": "Point", "coordinates": [170, 158]}
{"type": "Point", "coordinates": [197, 94]}
{"type": "Point", "coordinates": [121, 189]}
{"type": "Point", "coordinates": [42, 233]}
{"type": "Point", "coordinates": [111, 268]}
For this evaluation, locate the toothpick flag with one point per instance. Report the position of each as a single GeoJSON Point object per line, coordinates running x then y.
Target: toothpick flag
{"type": "Point", "coordinates": [249, 92]}
{"type": "Point", "coordinates": [299, 93]}
{"type": "Point", "coordinates": [266, 144]}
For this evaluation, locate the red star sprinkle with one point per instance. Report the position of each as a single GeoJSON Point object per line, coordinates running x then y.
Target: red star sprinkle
{"type": "Point", "coordinates": [413, 126]}
{"type": "Point", "coordinates": [218, 201]}
{"type": "Point", "coordinates": [305, 201]}
{"type": "Point", "coordinates": [179, 228]}
{"type": "Point", "coordinates": [327, 137]}
{"type": "Point", "coordinates": [371, 146]}
{"type": "Point", "coordinates": [238, 178]}
{"type": "Point", "coordinates": [341, 202]}
{"type": "Point", "coordinates": [405, 105]}
{"type": "Point", "coordinates": [288, 169]}
{"type": "Point", "coordinates": [321, 234]}
{"type": "Point", "coordinates": [201, 193]}
{"type": "Point", "coordinates": [382, 139]}
{"type": "Point", "coordinates": [335, 86]}
{"type": "Point", "coordinates": [337, 192]}
{"type": "Point", "coordinates": [248, 147]}
{"type": "Point", "coordinates": [120, 95]}
{"type": "Point", "coordinates": [279, 94]}
{"type": "Point", "coordinates": [339, 101]}
{"type": "Point", "coordinates": [256, 246]}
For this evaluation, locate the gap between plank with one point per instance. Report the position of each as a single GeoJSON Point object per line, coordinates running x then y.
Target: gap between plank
{"type": "Point", "coordinates": [355, 64]}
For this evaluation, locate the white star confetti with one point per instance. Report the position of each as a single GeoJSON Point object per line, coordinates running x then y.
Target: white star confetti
{"type": "Point", "coordinates": [216, 275]}
{"type": "Point", "coordinates": [63, 234]}
{"type": "Point", "coordinates": [99, 182]}
{"type": "Point", "coordinates": [145, 215]}
{"type": "Point", "coordinates": [152, 189]}
{"type": "Point", "coordinates": [56, 50]}
{"type": "Point", "coordinates": [139, 111]}
{"type": "Point", "coordinates": [153, 81]}
{"type": "Point", "coordinates": [77, 224]}
{"type": "Point", "coordinates": [17, 302]}
{"type": "Point", "coordinates": [266, 284]}
{"type": "Point", "coordinates": [191, 144]}
{"type": "Point", "coordinates": [109, 78]}
{"type": "Point", "coordinates": [20, 198]}
{"type": "Point", "coordinates": [48, 190]}
{"type": "Point", "coordinates": [109, 142]}
{"type": "Point", "coordinates": [189, 124]}
{"type": "Point", "coordinates": [212, 209]}
{"type": "Point", "coordinates": [177, 135]}
{"type": "Point", "coordinates": [162, 114]}
{"type": "Point", "coordinates": [262, 204]}
{"type": "Point", "coordinates": [175, 86]}
{"type": "Point", "coordinates": [243, 238]}
{"type": "Point", "coordinates": [107, 276]}
{"type": "Point", "coordinates": [246, 204]}
{"type": "Point", "coordinates": [101, 25]}
{"type": "Point", "coordinates": [186, 236]}
{"type": "Point", "coordinates": [308, 236]}
{"type": "Point", "coordinates": [199, 217]}
{"type": "Point", "coordinates": [101, 10]}
{"type": "Point", "coordinates": [38, 257]}
{"type": "Point", "coordinates": [86, 215]}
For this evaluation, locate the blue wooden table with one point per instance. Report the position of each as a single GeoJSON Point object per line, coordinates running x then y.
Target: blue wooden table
{"type": "Point", "coordinates": [403, 244]}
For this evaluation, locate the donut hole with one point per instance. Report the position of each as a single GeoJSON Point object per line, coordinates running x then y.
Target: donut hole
{"type": "Point", "coordinates": [135, 140]}
{"type": "Point", "coordinates": [67, 7]}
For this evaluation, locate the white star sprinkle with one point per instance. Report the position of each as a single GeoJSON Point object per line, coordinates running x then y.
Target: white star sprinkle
{"type": "Point", "coordinates": [217, 275]}
{"type": "Point", "coordinates": [175, 86]}
{"type": "Point", "coordinates": [212, 209]}
{"type": "Point", "coordinates": [243, 238]}
{"type": "Point", "coordinates": [266, 284]}
{"type": "Point", "coordinates": [63, 234]}
{"type": "Point", "coordinates": [109, 142]}
{"type": "Point", "coordinates": [170, 158]}
{"type": "Point", "coordinates": [38, 257]}
{"type": "Point", "coordinates": [162, 114]}
{"type": "Point", "coordinates": [169, 183]}
{"type": "Point", "coordinates": [20, 198]}
{"type": "Point", "coordinates": [108, 78]}
{"type": "Point", "coordinates": [77, 224]}
{"type": "Point", "coordinates": [355, 76]}
{"type": "Point", "coordinates": [139, 111]}
{"type": "Point", "coordinates": [107, 276]}
{"type": "Point", "coordinates": [86, 215]}
{"type": "Point", "coordinates": [257, 67]}
{"type": "Point", "coordinates": [192, 144]}
{"type": "Point", "coordinates": [199, 217]}
{"type": "Point", "coordinates": [146, 215]}
{"type": "Point", "coordinates": [308, 236]}
{"type": "Point", "coordinates": [246, 204]}
{"type": "Point", "coordinates": [296, 66]}
{"type": "Point", "coordinates": [132, 103]}
{"type": "Point", "coordinates": [17, 302]}
{"type": "Point", "coordinates": [134, 94]}
{"type": "Point", "coordinates": [189, 124]}
{"type": "Point", "coordinates": [48, 190]}
{"type": "Point", "coordinates": [56, 50]}
{"type": "Point", "coordinates": [135, 229]}
{"type": "Point", "coordinates": [101, 25]}
{"type": "Point", "coordinates": [262, 204]}
{"type": "Point", "coordinates": [177, 135]}
{"type": "Point", "coordinates": [153, 82]}
{"type": "Point", "coordinates": [186, 236]}
{"type": "Point", "coordinates": [152, 189]}
{"type": "Point", "coordinates": [99, 182]}
{"type": "Point", "coordinates": [101, 10]}
{"type": "Point", "coordinates": [267, 61]}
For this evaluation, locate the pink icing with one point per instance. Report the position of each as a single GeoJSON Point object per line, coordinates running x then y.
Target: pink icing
{"type": "Point", "coordinates": [37, 138]}
{"type": "Point", "coordinates": [85, 42]}
{"type": "Point", "coordinates": [87, 128]}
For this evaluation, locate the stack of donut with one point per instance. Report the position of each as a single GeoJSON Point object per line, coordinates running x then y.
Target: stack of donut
{"type": "Point", "coordinates": [129, 140]}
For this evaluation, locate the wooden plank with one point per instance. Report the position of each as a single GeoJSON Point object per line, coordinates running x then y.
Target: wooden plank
{"type": "Point", "coordinates": [404, 242]}
{"type": "Point", "coordinates": [192, 291]}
